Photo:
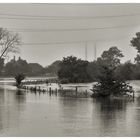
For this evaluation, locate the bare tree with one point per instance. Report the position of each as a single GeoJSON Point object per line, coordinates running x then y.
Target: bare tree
{"type": "Point", "coordinates": [8, 42]}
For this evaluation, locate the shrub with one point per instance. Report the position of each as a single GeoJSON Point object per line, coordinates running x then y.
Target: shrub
{"type": "Point", "coordinates": [19, 78]}
{"type": "Point", "coordinates": [108, 84]}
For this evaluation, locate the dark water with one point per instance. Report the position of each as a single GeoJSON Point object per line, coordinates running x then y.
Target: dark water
{"type": "Point", "coordinates": [28, 114]}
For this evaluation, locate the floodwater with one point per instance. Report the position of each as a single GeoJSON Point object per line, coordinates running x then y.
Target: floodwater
{"type": "Point", "coordinates": [29, 114]}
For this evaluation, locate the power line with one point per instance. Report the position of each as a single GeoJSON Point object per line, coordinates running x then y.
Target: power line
{"type": "Point", "coordinates": [65, 30]}
{"type": "Point", "coordinates": [52, 43]}
{"type": "Point", "coordinates": [40, 17]}
{"type": "Point", "coordinates": [45, 16]}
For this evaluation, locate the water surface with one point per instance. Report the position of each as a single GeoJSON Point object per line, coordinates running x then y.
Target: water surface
{"type": "Point", "coordinates": [29, 114]}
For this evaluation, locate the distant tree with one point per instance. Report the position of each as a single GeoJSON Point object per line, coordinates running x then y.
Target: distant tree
{"type": "Point", "coordinates": [137, 59]}
{"type": "Point", "coordinates": [135, 42]}
{"type": "Point", "coordinates": [136, 72]}
{"type": "Point", "coordinates": [35, 69]}
{"type": "Point", "coordinates": [53, 69]}
{"type": "Point", "coordinates": [73, 70]}
{"type": "Point", "coordinates": [125, 71]}
{"type": "Point", "coordinates": [93, 70]}
{"type": "Point", "coordinates": [14, 67]}
{"type": "Point", "coordinates": [111, 57]}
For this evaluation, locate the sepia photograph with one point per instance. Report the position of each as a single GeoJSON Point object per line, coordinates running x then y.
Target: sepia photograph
{"type": "Point", "coordinates": [69, 69]}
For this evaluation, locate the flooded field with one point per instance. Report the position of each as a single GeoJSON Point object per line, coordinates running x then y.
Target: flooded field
{"type": "Point", "coordinates": [37, 114]}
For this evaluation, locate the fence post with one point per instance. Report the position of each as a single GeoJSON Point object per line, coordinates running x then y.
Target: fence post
{"type": "Point", "coordinates": [76, 90]}
{"type": "Point", "coordinates": [50, 90]}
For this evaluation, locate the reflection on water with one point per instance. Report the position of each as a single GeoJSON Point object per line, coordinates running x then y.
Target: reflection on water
{"type": "Point", "coordinates": [20, 96]}
{"type": "Point", "coordinates": [111, 114]}
{"type": "Point", "coordinates": [37, 114]}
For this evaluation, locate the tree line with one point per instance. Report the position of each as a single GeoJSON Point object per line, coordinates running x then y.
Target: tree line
{"type": "Point", "coordinates": [69, 69]}
{"type": "Point", "coordinates": [107, 71]}
{"type": "Point", "coordinates": [76, 70]}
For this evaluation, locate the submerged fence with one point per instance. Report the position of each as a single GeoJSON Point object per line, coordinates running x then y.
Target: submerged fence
{"type": "Point", "coordinates": [59, 89]}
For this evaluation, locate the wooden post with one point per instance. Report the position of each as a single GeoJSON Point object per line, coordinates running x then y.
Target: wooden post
{"type": "Point", "coordinates": [50, 90]}
{"type": "Point", "coordinates": [133, 95]}
{"type": "Point", "coordinates": [86, 92]}
{"type": "Point", "coordinates": [39, 89]}
{"type": "Point", "coordinates": [56, 90]}
{"type": "Point", "coordinates": [35, 88]}
{"type": "Point", "coordinates": [76, 89]}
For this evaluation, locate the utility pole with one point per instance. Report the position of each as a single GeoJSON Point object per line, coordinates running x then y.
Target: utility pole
{"type": "Point", "coordinates": [86, 51]}
{"type": "Point", "coordinates": [95, 51]}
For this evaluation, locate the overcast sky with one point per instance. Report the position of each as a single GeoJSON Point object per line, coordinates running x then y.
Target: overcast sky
{"type": "Point", "coordinates": [72, 25]}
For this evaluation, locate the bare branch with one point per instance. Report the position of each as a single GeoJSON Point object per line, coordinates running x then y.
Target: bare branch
{"type": "Point", "coordinates": [8, 42]}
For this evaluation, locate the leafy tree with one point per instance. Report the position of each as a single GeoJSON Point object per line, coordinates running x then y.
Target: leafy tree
{"type": "Point", "coordinates": [110, 85]}
{"type": "Point", "coordinates": [111, 57]}
{"type": "Point", "coordinates": [125, 71]}
{"type": "Point", "coordinates": [73, 70]}
{"type": "Point", "coordinates": [137, 59]}
{"type": "Point", "coordinates": [135, 42]}
{"type": "Point", "coordinates": [108, 82]}
{"type": "Point", "coordinates": [93, 70]}
{"type": "Point", "coordinates": [136, 72]}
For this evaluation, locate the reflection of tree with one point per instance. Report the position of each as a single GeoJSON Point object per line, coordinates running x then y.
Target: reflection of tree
{"type": "Point", "coordinates": [134, 119]}
{"type": "Point", "coordinates": [75, 114]}
{"type": "Point", "coordinates": [11, 106]}
{"type": "Point", "coordinates": [20, 96]}
{"type": "Point", "coordinates": [1, 111]}
{"type": "Point", "coordinates": [111, 113]}
{"type": "Point", "coordinates": [111, 105]}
